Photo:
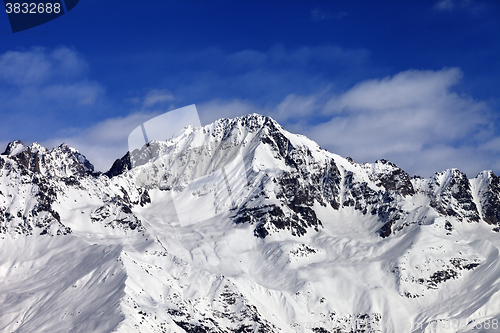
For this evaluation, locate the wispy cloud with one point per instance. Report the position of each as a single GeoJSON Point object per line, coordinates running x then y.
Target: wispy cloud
{"type": "Point", "coordinates": [473, 6]}
{"type": "Point", "coordinates": [445, 4]}
{"type": "Point", "coordinates": [39, 65]}
{"type": "Point", "coordinates": [41, 88]}
{"type": "Point", "coordinates": [104, 142]}
{"type": "Point", "coordinates": [407, 118]}
{"type": "Point", "coordinates": [267, 76]}
{"type": "Point", "coordinates": [321, 15]}
{"type": "Point", "coordinates": [107, 140]}
{"type": "Point", "coordinates": [413, 118]}
{"type": "Point", "coordinates": [155, 97]}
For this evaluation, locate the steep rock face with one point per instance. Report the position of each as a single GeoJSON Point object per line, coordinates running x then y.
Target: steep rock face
{"type": "Point", "coordinates": [303, 182]}
{"type": "Point", "coordinates": [312, 178]}
{"type": "Point", "coordinates": [116, 214]}
{"type": "Point", "coordinates": [28, 199]}
{"type": "Point", "coordinates": [120, 166]}
{"type": "Point", "coordinates": [303, 175]}
{"type": "Point", "coordinates": [383, 204]}
{"type": "Point", "coordinates": [232, 311]}
{"type": "Point", "coordinates": [451, 195]}
{"type": "Point", "coordinates": [280, 198]}
{"type": "Point", "coordinates": [61, 161]}
{"type": "Point", "coordinates": [390, 177]}
{"type": "Point", "coordinates": [35, 179]}
{"type": "Point", "coordinates": [281, 195]}
{"type": "Point", "coordinates": [490, 199]}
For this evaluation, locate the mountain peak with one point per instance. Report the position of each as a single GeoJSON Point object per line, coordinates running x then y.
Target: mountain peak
{"type": "Point", "coordinates": [14, 147]}
{"type": "Point", "coordinates": [251, 122]}
{"type": "Point", "coordinates": [61, 161]}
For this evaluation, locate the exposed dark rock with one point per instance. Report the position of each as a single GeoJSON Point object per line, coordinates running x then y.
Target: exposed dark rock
{"type": "Point", "coordinates": [192, 328]}
{"type": "Point", "coordinates": [71, 181]}
{"type": "Point", "coordinates": [231, 307]}
{"type": "Point", "coordinates": [116, 214]}
{"type": "Point", "coordinates": [145, 199]}
{"type": "Point", "coordinates": [267, 218]}
{"type": "Point", "coordinates": [11, 146]}
{"type": "Point", "coordinates": [305, 183]}
{"type": "Point", "coordinates": [120, 166]}
{"type": "Point", "coordinates": [394, 180]}
{"type": "Point", "coordinates": [448, 226]}
{"type": "Point", "coordinates": [491, 201]}
{"type": "Point", "coordinates": [366, 200]}
{"type": "Point", "coordinates": [76, 163]}
{"type": "Point", "coordinates": [358, 194]}
{"type": "Point", "coordinates": [454, 198]}
{"type": "Point", "coordinates": [441, 276]}
{"type": "Point", "coordinates": [35, 158]}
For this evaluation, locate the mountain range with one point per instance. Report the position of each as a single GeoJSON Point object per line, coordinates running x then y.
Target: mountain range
{"type": "Point", "coordinates": [241, 226]}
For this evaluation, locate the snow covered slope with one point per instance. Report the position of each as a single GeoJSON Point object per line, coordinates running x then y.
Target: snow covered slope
{"type": "Point", "coordinates": [241, 226]}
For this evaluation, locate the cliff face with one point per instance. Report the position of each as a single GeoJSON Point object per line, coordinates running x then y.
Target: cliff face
{"type": "Point", "coordinates": [242, 226]}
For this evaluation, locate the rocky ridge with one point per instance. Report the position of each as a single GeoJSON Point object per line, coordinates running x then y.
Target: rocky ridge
{"type": "Point", "coordinates": [293, 190]}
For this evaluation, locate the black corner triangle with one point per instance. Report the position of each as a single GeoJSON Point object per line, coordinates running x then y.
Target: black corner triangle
{"type": "Point", "coordinates": [70, 4]}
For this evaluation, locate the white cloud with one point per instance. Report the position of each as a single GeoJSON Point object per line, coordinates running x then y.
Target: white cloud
{"type": "Point", "coordinates": [417, 105]}
{"type": "Point", "coordinates": [156, 96]}
{"type": "Point", "coordinates": [492, 145]}
{"type": "Point", "coordinates": [406, 118]}
{"type": "Point", "coordinates": [103, 143]}
{"type": "Point", "coordinates": [295, 107]}
{"type": "Point", "coordinates": [439, 157]}
{"type": "Point", "coordinates": [106, 141]}
{"type": "Point", "coordinates": [414, 119]}
{"type": "Point", "coordinates": [80, 93]}
{"type": "Point", "coordinates": [67, 62]}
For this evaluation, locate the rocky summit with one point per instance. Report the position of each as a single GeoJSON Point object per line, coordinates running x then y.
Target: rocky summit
{"type": "Point", "coordinates": [241, 226]}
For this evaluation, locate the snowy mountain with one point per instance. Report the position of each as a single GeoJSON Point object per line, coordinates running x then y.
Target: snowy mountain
{"type": "Point", "coordinates": [241, 226]}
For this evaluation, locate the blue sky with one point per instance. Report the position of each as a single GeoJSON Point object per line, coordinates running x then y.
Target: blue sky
{"type": "Point", "coordinates": [415, 82]}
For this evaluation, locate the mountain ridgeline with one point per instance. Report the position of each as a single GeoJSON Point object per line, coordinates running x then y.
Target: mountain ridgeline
{"type": "Point", "coordinates": [303, 176]}
{"type": "Point", "coordinates": [297, 239]}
